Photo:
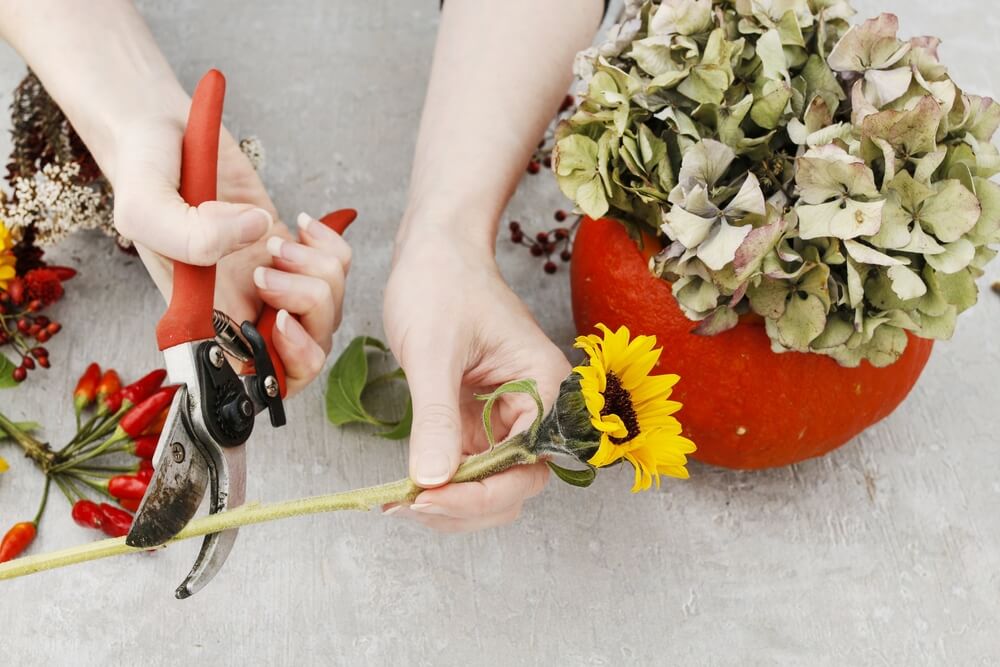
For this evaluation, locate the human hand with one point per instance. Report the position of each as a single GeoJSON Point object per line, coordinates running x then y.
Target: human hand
{"type": "Point", "coordinates": [258, 259]}
{"type": "Point", "coordinates": [458, 330]}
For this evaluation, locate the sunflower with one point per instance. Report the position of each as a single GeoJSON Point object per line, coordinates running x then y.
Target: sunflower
{"type": "Point", "coordinates": [7, 259]}
{"type": "Point", "coordinates": [630, 407]}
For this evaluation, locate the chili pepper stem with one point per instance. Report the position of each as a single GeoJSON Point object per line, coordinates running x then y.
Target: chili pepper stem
{"type": "Point", "coordinates": [45, 500]}
{"type": "Point", "coordinates": [65, 488]}
{"type": "Point", "coordinates": [104, 448]}
{"type": "Point", "coordinates": [515, 452]}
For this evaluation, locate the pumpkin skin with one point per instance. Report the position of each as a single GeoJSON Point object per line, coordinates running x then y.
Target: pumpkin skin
{"type": "Point", "coordinates": [745, 407]}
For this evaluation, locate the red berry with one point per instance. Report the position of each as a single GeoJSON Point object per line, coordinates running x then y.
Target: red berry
{"type": "Point", "coordinates": [542, 237]}
{"type": "Point", "coordinates": [35, 305]}
{"type": "Point", "coordinates": [566, 255]}
{"type": "Point", "coordinates": [561, 233]}
{"type": "Point", "coordinates": [560, 215]}
{"type": "Point", "coordinates": [547, 162]}
{"type": "Point", "coordinates": [536, 250]}
{"type": "Point", "coordinates": [44, 362]}
{"type": "Point", "coordinates": [43, 336]}
{"type": "Point", "coordinates": [19, 374]}
{"type": "Point", "coordinates": [516, 236]}
{"type": "Point", "coordinates": [534, 167]}
{"type": "Point", "coordinates": [39, 352]}
{"type": "Point", "coordinates": [515, 226]}
{"type": "Point", "coordinates": [15, 291]}
{"type": "Point", "coordinates": [550, 267]}
{"type": "Point", "coordinates": [28, 363]}
{"type": "Point", "coordinates": [22, 325]}
{"type": "Point", "coordinates": [53, 328]}
{"type": "Point", "coordinates": [42, 321]}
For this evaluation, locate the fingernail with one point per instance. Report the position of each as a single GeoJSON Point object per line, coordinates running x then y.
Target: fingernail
{"type": "Point", "coordinates": [289, 328]}
{"type": "Point", "coordinates": [253, 224]}
{"type": "Point", "coordinates": [389, 511]}
{"type": "Point", "coordinates": [287, 250]}
{"type": "Point", "coordinates": [314, 227]}
{"type": "Point", "coordinates": [432, 469]}
{"type": "Point", "coordinates": [269, 279]}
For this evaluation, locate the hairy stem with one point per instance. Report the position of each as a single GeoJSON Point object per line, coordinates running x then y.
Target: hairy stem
{"type": "Point", "coordinates": [475, 468]}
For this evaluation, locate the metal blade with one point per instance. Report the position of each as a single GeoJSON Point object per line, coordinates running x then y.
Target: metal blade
{"type": "Point", "coordinates": [228, 477]}
{"type": "Point", "coordinates": [176, 490]}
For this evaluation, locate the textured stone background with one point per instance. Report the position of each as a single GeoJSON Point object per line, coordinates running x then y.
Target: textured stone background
{"type": "Point", "coordinates": [886, 552]}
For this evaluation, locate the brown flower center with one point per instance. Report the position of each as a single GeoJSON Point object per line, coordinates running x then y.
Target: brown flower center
{"type": "Point", "coordinates": [617, 401]}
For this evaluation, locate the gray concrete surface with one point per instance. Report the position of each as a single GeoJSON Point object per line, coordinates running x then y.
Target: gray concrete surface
{"type": "Point", "coordinates": [886, 552]}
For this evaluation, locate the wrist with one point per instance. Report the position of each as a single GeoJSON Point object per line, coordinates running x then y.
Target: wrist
{"type": "Point", "coordinates": [448, 221]}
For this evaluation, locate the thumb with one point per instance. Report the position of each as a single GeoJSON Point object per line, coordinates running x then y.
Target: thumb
{"type": "Point", "coordinates": [201, 235]}
{"type": "Point", "coordinates": [436, 434]}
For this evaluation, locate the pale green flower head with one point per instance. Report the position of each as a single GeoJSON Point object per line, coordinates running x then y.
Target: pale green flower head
{"type": "Point", "coordinates": [832, 179]}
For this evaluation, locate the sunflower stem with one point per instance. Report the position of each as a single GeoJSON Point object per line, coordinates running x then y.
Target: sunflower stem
{"type": "Point", "coordinates": [514, 452]}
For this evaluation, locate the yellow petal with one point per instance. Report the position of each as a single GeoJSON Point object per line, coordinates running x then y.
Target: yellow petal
{"type": "Point", "coordinates": [3, 465]}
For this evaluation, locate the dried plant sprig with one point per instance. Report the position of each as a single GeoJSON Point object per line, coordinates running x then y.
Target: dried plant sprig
{"type": "Point", "coordinates": [832, 179]}
{"type": "Point", "coordinates": [56, 187]}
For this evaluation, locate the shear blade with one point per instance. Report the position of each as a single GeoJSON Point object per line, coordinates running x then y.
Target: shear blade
{"type": "Point", "coordinates": [228, 479]}
{"type": "Point", "coordinates": [178, 486]}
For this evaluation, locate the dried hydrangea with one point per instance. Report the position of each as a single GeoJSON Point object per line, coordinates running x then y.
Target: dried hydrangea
{"type": "Point", "coordinates": [832, 179]}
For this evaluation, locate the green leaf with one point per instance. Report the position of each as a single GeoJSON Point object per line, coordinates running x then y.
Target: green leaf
{"type": "Point", "coordinates": [346, 382]}
{"type": "Point", "coordinates": [7, 373]}
{"type": "Point", "coordinates": [346, 386]}
{"type": "Point", "coordinates": [402, 429]}
{"type": "Point", "coordinates": [529, 387]}
{"type": "Point", "coordinates": [24, 427]}
{"type": "Point", "coordinates": [582, 478]}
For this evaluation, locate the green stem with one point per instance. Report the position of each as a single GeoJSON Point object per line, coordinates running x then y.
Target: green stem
{"type": "Point", "coordinates": [45, 500]}
{"type": "Point", "coordinates": [475, 468]}
{"type": "Point", "coordinates": [36, 450]}
{"type": "Point", "coordinates": [64, 487]}
{"type": "Point", "coordinates": [104, 448]}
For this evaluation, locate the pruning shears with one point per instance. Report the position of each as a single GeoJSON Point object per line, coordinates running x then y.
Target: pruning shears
{"type": "Point", "coordinates": [203, 443]}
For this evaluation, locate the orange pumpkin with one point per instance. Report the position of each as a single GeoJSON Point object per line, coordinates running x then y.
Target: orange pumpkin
{"type": "Point", "coordinates": [744, 406]}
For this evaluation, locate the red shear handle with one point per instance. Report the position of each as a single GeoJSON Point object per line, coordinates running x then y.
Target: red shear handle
{"type": "Point", "coordinates": [338, 221]}
{"type": "Point", "coordinates": [189, 315]}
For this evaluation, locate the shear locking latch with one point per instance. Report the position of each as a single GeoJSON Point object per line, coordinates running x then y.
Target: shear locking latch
{"type": "Point", "coordinates": [227, 411]}
{"type": "Point", "coordinates": [267, 391]}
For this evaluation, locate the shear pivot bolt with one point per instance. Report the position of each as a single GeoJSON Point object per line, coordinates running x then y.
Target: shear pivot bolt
{"type": "Point", "coordinates": [177, 451]}
{"type": "Point", "coordinates": [271, 386]}
{"type": "Point", "coordinates": [216, 356]}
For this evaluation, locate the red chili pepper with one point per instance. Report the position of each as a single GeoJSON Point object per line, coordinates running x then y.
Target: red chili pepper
{"type": "Point", "coordinates": [63, 273]}
{"type": "Point", "coordinates": [131, 504]}
{"type": "Point", "coordinates": [143, 388]}
{"type": "Point", "coordinates": [87, 514]}
{"type": "Point", "coordinates": [110, 404]}
{"type": "Point", "coordinates": [109, 384]}
{"type": "Point", "coordinates": [156, 427]}
{"type": "Point", "coordinates": [127, 486]}
{"type": "Point", "coordinates": [142, 415]}
{"type": "Point", "coordinates": [116, 522]}
{"type": "Point", "coordinates": [145, 446]}
{"type": "Point", "coordinates": [145, 474]}
{"type": "Point", "coordinates": [86, 387]}
{"type": "Point", "coordinates": [17, 540]}
{"type": "Point", "coordinates": [109, 393]}
{"type": "Point", "coordinates": [145, 465]}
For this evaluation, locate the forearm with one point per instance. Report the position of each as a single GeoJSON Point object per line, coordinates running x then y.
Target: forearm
{"type": "Point", "coordinates": [500, 69]}
{"type": "Point", "coordinates": [99, 62]}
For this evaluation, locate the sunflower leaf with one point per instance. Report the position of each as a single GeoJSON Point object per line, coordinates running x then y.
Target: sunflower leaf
{"type": "Point", "coordinates": [349, 380]}
{"type": "Point", "coordinates": [581, 478]}
{"type": "Point", "coordinates": [527, 386]}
